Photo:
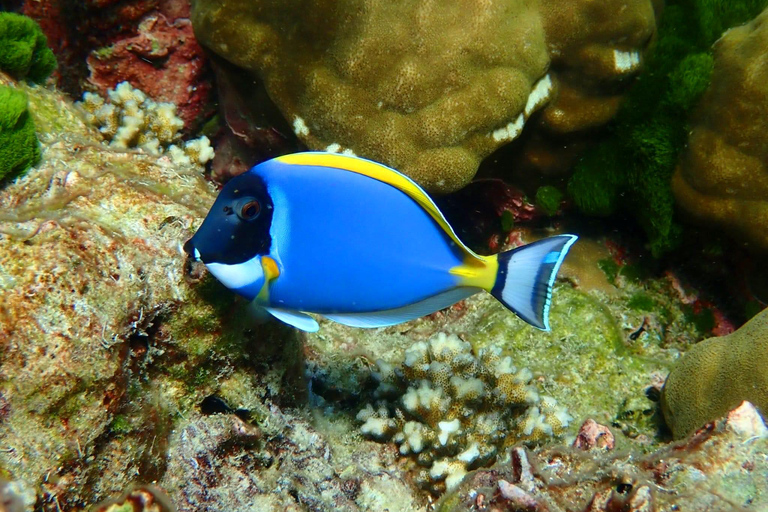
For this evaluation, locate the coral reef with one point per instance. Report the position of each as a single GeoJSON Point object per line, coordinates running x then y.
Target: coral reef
{"type": "Point", "coordinates": [720, 468]}
{"type": "Point", "coordinates": [131, 119]}
{"type": "Point", "coordinates": [163, 60]}
{"type": "Point", "coordinates": [632, 169]}
{"type": "Point", "coordinates": [147, 42]}
{"type": "Point", "coordinates": [19, 148]}
{"type": "Point", "coordinates": [453, 410]}
{"type": "Point", "coordinates": [456, 81]}
{"type": "Point", "coordinates": [722, 177]}
{"type": "Point", "coordinates": [717, 374]}
{"type": "Point", "coordinates": [24, 51]}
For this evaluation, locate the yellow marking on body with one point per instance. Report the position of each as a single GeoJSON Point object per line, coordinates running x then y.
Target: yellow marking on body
{"type": "Point", "coordinates": [391, 177]}
{"type": "Point", "coordinates": [271, 272]}
{"type": "Point", "coordinates": [478, 276]}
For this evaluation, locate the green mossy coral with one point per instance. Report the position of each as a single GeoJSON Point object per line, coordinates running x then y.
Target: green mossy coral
{"type": "Point", "coordinates": [633, 167]}
{"type": "Point", "coordinates": [19, 148]}
{"type": "Point", "coordinates": [548, 198]}
{"type": "Point", "coordinates": [24, 51]}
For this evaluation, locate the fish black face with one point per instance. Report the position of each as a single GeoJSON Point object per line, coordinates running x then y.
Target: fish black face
{"type": "Point", "coordinates": [237, 227]}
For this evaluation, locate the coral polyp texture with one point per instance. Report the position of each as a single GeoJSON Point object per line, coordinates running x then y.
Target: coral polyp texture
{"type": "Point", "coordinates": [722, 177]}
{"type": "Point", "coordinates": [24, 51]}
{"type": "Point", "coordinates": [430, 88]}
{"type": "Point", "coordinates": [128, 118]}
{"type": "Point", "coordinates": [18, 143]}
{"type": "Point", "coordinates": [717, 374]}
{"type": "Point", "coordinates": [452, 410]}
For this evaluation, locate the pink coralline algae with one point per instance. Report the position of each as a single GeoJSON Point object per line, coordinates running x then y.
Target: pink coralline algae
{"type": "Point", "coordinates": [163, 59]}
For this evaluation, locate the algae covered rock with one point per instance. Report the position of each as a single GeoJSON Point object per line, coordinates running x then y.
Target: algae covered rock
{"type": "Point", "coordinates": [430, 88]}
{"type": "Point", "coordinates": [722, 178]}
{"type": "Point", "coordinates": [88, 257]}
{"type": "Point", "coordinates": [723, 468]}
{"type": "Point", "coordinates": [716, 375]}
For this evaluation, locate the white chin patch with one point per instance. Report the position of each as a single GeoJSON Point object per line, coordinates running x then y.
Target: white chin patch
{"type": "Point", "coordinates": [238, 275]}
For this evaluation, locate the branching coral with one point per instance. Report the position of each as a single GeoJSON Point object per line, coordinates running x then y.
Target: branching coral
{"type": "Point", "coordinates": [633, 168]}
{"type": "Point", "coordinates": [19, 148]}
{"type": "Point", "coordinates": [24, 51]}
{"type": "Point", "coordinates": [130, 119]}
{"type": "Point", "coordinates": [453, 410]}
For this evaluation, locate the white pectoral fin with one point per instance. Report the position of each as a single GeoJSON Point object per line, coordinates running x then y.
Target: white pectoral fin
{"type": "Point", "coordinates": [296, 319]}
{"type": "Point", "coordinates": [404, 314]}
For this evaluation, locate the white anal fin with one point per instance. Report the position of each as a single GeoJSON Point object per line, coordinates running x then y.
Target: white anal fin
{"type": "Point", "coordinates": [404, 314]}
{"type": "Point", "coordinates": [296, 319]}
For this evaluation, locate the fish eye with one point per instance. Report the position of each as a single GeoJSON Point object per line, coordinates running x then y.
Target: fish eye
{"type": "Point", "coordinates": [248, 208]}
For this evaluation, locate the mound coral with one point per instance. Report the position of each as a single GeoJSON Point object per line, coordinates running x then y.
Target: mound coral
{"type": "Point", "coordinates": [19, 148]}
{"type": "Point", "coordinates": [722, 177]}
{"type": "Point", "coordinates": [716, 375]}
{"type": "Point", "coordinates": [430, 88]}
{"type": "Point", "coordinates": [632, 169]}
{"type": "Point", "coordinates": [131, 119]}
{"type": "Point", "coordinates": [24, 51]}
{"type": "Point", "coordinates": [452, 410]}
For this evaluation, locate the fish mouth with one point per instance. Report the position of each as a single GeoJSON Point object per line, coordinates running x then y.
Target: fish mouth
{"type": "Point", "coordinates": [191, 250]}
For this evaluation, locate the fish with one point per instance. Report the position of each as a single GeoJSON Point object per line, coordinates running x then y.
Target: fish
{"type": "Point", "coordinates": [358, 243]}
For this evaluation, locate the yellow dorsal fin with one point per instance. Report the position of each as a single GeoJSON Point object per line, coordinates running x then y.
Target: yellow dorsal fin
{"type": "Point", "coordinates": [389, 176]}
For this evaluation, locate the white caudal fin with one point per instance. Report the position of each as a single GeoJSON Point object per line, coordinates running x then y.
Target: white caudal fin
{"type": "Point", "coordinates": [526, 275]}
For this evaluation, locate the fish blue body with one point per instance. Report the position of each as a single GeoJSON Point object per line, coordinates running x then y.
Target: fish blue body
{"type": "Point", "coordinates": [359, 243]}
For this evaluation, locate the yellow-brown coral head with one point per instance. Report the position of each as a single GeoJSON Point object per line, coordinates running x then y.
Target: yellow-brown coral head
{"type": "Point", "coordinates": [716, 375]}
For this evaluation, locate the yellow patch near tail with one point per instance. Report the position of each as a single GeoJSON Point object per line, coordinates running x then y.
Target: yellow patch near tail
{"type": "Point", "coordinates": [478, 276]}
{"type": "Point", "coordinates": [399, 181]}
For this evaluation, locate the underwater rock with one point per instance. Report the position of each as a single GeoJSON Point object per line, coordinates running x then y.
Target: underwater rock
{"type": "Point", "coordinates": [430, 89]}
{"type": "Point", "coordinates": [219, 463]}
{"type": "Point", "coordinates": [164, 60]}
{"type": "Point", "coordinates": [674, 477]}
{"type": "Point", "coordinates": [717, 374]}
{"type": "Point", "coordinates": [145, 498]}
{"type": "Point", "coordinates": [722, 178]}
{"type": "Point", "coordinates": [149, 43]}
{"type": "Point", "coordinates": [89, 256]}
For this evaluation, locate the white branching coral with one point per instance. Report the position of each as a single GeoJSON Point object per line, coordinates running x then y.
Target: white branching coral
{"type": "Point", "coordinates": [453, 410]}
{"type": "Point", "coordinates": [130, 119]}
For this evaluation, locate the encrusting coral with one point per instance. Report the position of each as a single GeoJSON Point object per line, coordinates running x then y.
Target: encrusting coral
{"type": "Point", "coordinates": [130, 119]}
{"type": "Point", "coordinates": [717, 374]}
{"type": "Point", "coordinates": [722, 177]}
{"type": "Point", "coordinates": [18, 143]}
{"type": "Point", "coordinates": [430, 88]}
{"type": "Point", "coordinates": [24, 51]}
{"type": "Point", "coordinates": [452, 410]}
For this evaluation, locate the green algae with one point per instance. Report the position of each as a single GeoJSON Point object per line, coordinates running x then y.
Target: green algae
{"type": "Point", "coordinates": [24, 51]}
{"type": "Point", "coordinates": [632, 168]}
{"type": "Point", "coordinates": [19, 148]}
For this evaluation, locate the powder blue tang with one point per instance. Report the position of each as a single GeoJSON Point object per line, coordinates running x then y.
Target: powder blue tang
{"type": "Point", "coordinates": [358, 243]}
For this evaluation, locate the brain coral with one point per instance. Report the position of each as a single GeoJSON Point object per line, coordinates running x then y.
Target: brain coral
{"type": "Point", "coordinates": [429, 87]}
{"type": "Point", "coordinates": [453, 411]}
{"type": "Point", "coordinates": [716, 375]}
{"type": "Point", "coordinates": [722, 178]}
